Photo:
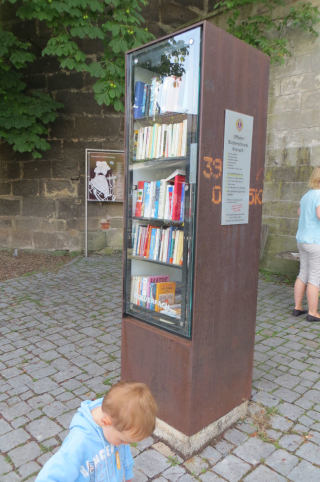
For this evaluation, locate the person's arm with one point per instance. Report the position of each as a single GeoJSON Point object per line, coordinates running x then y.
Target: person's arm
{"type": "Point", "coordinates": [318, 212]}
{"type": "Point", "coordinates": [299, 211]}
{"type": "Point", "coordinates": [64, 465]}
{"type": "Point", "coordinates": [128, 463]}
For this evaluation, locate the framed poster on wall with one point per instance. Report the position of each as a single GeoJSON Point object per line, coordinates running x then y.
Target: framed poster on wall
{"type": "Point", "coordinates": [105, 170]}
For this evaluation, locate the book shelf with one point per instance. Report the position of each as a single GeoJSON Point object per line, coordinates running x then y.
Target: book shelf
{"type": "Point", "coordinates": [190, 279]}
{"type": "Point", "coordinates": [161, 145]}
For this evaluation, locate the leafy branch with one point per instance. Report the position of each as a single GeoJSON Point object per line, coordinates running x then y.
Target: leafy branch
{"type": "Point", "coordinates": [262, 29]}
{"type": "Point", "coordinates": [116, 24]}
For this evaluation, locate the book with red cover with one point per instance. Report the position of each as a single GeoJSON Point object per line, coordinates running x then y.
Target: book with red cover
{"type": "Point", "coordinates": [176, 200]}
{"type": "Point", "coordinates": [139, 203]}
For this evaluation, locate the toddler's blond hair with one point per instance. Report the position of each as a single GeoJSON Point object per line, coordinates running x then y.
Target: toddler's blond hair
{"type": "Point", "coordinates": [132, 408]}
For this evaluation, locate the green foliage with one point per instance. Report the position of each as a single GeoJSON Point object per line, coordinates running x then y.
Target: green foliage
{"type": "Point", "coordinates": [263, 28]}
{"type": "Point", "coordinates": [24, 115]}
{"type": "Point", "coordinates": [117, 26]}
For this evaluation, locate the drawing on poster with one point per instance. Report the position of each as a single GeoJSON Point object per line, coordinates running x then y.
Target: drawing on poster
{"type": "Point", "coordinates": [105, 175]}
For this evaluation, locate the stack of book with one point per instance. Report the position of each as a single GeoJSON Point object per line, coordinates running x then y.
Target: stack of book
{"type": "Point", "coordinates": [155, 293]}
{"type": "Point", "coordinates": [162, 199]}
{"type": "Point", "coordinates": [164, 244]}
{"type": "Point", "coordinates": [159, 96]}
{"type": "Point", "coordinates": [161, 140]}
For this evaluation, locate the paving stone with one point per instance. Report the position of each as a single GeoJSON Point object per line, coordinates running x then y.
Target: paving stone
{"type": "Point", "coordinates": [174, 473]}
{"type": "Point", "coordinates": [280, 423]}
{"type": "Point", "coordinates": [309, 451]}
{"type": "Point", "coordinates": [286, 373]}
{"type": "Point", "coordinates": [167, 452]}
{"type": "Point", "coordinates": [139, 476]}
{"type": "Point", "coordinates": [254, 450]}
{"type": "Point", "coordinates": [263, 474]}
{"type": "Point", "coordinates": [232, 468]}
{"type": "Point", "coordinates": [266, 399]}
{"type": "Point", "coordinates": [151, 462]}
{"type": "Point", "coordinates": [43, 428]}
{"type": "Point", "coordinates": [224, 447]}
{"type": "Point", "coordinates": [288, 381]}
{"type": "Point", "coordinates": [211, 455]}
{"type": "Point", "coordinates": [281, 461]}
{"type": "Point", "coordinates": [235, 436]}
{"type": "Point", "coordinates": [196, 465]}
{"type": "Point", "coordinates": [28, 469]}
{"type": "Point", "coordinates": [290, 411]}
{"type": "Point", "coordinates": [16, 411]}
{"type": "Point", "coordinates": [305, 471]}
{"type": "Point", "coordinates": [210, 477]}
{"type": "Point", "coordinates": [291, 442]}
{"type": "Point", "coordinates": [187, 478]}
{"type": "Point", "coordinates": [4, 465]}
{"type": "Point", "coordinates": [286, 394]}
{"type": "Point", "coordinates": [13, 439]}
{"type": "Point", "coordinates": [11, 477]}
{"type": "Point", "coordinates": [25, 453]}
{"type": "Point", "coordinates": [4, 427]}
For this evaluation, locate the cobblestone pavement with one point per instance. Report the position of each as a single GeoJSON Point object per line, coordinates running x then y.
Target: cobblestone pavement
{"type": "Point", "coordinates": [60, 344]}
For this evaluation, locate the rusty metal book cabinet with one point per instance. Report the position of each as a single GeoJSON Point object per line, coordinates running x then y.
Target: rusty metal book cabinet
{"type": "Point", "coordinates": [190, 282]}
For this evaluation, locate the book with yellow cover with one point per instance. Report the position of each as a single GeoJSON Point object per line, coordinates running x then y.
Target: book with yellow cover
{"type": "Point", "coordinates": [164, 295]}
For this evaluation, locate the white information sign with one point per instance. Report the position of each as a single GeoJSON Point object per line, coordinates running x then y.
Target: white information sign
{"type": "Point", "coordinates": [236, 168]}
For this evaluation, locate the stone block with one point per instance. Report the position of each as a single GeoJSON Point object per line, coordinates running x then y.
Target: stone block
{"type": "Point", "coordinates": [282, 225]}
{"type": "Point", "coordinates": [288, 173]}
{"type": "Point", "coordinates": [64, 80]}
{"type": "Point", "coordinates": [310, 100]}
{"type": "Point", "coordinates": [55, 152]}
{"type": "Point", "coordinates": [271, 191]}
{"type": "Point", "coordinates": [5, 188]}
{"type": "Point", "coordinates": [5, 238]}
{"type": "Point", "coordinates": [281, 209]}
{"type": "Point", "coordinates": [297, 83]}
{"type": "Point", "coordinates": [96, 241]}
{"type": "Point", "coordinates": [26, 188]}
{"type": "Point", "coordinates": [36, 169]}
{"type": "Point", "coordinates": [175, 15]}
{"type": "Point", "coordinates": [70, 240]}
{"type": "Point", "coordinates": [285, 103]}
{"type": "Point", "coordinates": [38, 207]}
{"type": "Point", "coordinates": [292, 190]}
{"type": "Point", "coordinates": [66, 169]}
{"type": "Point", "coordinates": [94, 127]}
{"type": "Point", "coordinates": [114, 238]}
{"type": "Point", "coordinates": [37, 81]}
{"type": "Point", "coordinates": [10, 207]}
{"type": "Point", "coordinates": [22, 239]}
{"type": "Point", "coordinates": [59, 189]}
{"type": "Point", "coordinates": [116, 223]}
{"type": "Point", "coordinates": [315, 155]}
{"type": "Point", "coordinates": [13, 170]}
{"type": "Point", "coordinates": [63, 128]}
{"type": "Point", "coordinates": [5, 223]}
{"type": "Point", "coordinates": [78, 102]}
{"type": "Point", "coordinates": [68, 209]}
{"type": "Point", "coordinates": [294, 119]}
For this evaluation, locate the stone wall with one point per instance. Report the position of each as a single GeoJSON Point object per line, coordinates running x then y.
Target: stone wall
{"type": "Point", "coordinates": [293, 145]}
{"type": "Point", "coordinates": [42, 202]}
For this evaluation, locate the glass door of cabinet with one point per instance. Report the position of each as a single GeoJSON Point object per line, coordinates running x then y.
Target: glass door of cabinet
{"type": "Point", "coordinates": [163, 82]}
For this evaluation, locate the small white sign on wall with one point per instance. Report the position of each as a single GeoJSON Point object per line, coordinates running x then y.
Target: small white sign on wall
{"type": "Point", "coordinates": [236, 168]}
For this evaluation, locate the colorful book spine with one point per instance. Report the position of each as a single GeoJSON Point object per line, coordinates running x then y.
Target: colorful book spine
{"type": "Point", "coordinates": [139, 200]}
{"type": "Point", "coordinates": [176, 200]}
{"type": "Point", "coordinates": [138, 99]}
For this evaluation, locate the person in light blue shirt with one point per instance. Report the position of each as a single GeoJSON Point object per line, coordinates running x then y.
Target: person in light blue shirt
{"type": "Point", "coordinates": [96, 448]}
{"type": "Point", "coordinates": [308, 239]}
